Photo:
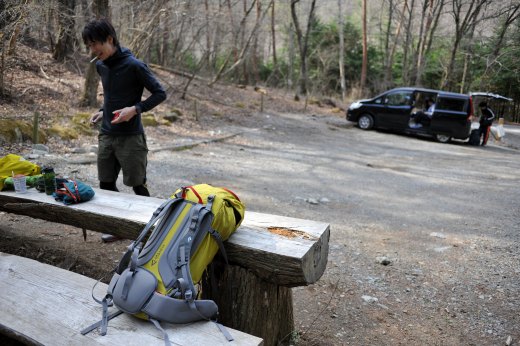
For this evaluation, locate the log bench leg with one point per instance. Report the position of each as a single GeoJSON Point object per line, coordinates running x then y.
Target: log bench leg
{"type": "Point", "coordinates": [254, 306]}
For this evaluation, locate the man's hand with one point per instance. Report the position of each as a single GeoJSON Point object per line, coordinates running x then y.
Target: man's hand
{"type": "Point", "coordinates": [95, 118]}
{"type": "Point", "coordinates": [124, 114]}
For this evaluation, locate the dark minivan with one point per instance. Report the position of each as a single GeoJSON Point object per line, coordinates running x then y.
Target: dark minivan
{"type": "Point", "coordinates": [443, 115]}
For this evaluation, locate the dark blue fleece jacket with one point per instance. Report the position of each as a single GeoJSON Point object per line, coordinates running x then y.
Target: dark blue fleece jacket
{"type": "Point", "coordinates": [124, 79]}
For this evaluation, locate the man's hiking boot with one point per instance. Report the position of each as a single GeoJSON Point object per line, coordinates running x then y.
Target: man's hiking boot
{"type": "Point", "coordinates": [109, 238]}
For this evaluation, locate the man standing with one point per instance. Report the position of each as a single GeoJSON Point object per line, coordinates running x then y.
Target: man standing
{"type": "Point", "coordinates": [122, 141]}
{"type": "Point", "coordinates": [486, 119]}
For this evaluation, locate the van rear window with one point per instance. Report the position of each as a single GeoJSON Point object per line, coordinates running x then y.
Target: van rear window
{"type": "Point", "coordinates": [451, 104]}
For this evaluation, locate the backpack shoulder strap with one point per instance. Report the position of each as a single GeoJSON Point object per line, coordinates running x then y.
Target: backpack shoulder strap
{"type": "Point", "coordinates": [136, 244]}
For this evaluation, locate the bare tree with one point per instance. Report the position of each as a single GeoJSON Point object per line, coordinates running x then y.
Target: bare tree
{"type": "Point", "coordinates": [254, 52]}
{"type": "Point", "coordinates": [407, 45]}
{"type": "Point", "coordinates": [273, 35]}
{"type": "Point", "coordinates": [219, 34]}
{"type": "Point", "coordinates": [431, 12]}
{"type": "Point", "coordinates": [364, 64]}
{"type": "Point", "coordinates": [208, 32]}
{"type": "Point", "coordinates": [291, 56]}
{"type": "Point", "coordinates": [341, 25]}
{"type": "Point", "coordinates": [100, 9]}
{"type": "Point", "coordinates": [391, 52]}
{"type": "Point", "coordinates": [246, 44]}
{"type": "Point", "coordinates": [303, 45]}
{"type": "Point", "coordinates": [243, 23]}
{"type": "Point", "coordinates": [466, 13]}
{"type": "Point", "coordinates": [65, 43]}
{"type": "Point", "coordinates": [163, 42]}
{"type": "Point", "coordinates": [179, 38]}
{"type": "Point", "coordinates": [4, 24]}
{"type": "Point", "coordinates": [511, 14]}
{"type": "Point", "coordinates": [386, 42]}
{"type": "Point", "coordinates": [17, 25]}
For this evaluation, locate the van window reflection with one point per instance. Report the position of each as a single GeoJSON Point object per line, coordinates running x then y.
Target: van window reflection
{"type": "Point", "coordinates": [399, 99]}
{"type": "Point", "coordinates": [451, 104]}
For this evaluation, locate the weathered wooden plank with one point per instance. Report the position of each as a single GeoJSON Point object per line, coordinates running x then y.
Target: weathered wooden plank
{"type": "Point", "coordinates": [286, 251]}
{"type": "Point", "coordinates": [42, 304]}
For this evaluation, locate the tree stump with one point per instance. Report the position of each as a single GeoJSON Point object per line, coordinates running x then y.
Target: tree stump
{"type": "Point", "coordinates": [252, 305]}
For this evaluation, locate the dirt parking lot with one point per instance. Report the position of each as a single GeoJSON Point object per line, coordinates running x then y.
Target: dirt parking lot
{"type": "Point", "coordinates": [424, 236]}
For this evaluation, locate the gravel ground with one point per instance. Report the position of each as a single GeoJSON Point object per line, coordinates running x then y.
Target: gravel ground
{"type": "Point", "coordinates": [424, 236]}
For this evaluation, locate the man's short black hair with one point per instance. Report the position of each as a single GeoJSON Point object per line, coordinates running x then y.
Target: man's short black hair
{"type": "Point", "coordinates": [482, 104]}
{"type": "Point", "coordinates": [98, 30]}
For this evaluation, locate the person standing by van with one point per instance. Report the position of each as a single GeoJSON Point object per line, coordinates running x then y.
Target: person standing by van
{"type": "Point", "coordinates": [486, 119]}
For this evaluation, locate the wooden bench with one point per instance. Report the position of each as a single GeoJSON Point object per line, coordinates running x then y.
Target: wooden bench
{"type": "Point", "coordinates": [268, 254]}
{"type": "Point", "coordinates": [45, 305]}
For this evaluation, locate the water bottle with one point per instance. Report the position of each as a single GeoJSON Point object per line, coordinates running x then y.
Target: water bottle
{"type": "Point", "coordinates": [49, 178]}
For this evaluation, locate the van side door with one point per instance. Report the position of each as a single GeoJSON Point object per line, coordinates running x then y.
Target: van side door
{"type": "Point", "coordinates": [451, 116]}
{"type": "Point", "coordinates": [396, 113]}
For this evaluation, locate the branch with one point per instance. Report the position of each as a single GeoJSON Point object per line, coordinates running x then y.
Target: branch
{"type": "Point", "coordinates": [246, 46]}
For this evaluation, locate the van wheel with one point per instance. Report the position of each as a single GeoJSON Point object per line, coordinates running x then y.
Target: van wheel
{"type": "Point", "coordinates": [443, 138]}
{"type": "Point", "coordinates": [365, 122]}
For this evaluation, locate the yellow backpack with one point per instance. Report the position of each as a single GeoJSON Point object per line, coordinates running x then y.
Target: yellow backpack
{"type": "Point", "coordinates": [158, 281]}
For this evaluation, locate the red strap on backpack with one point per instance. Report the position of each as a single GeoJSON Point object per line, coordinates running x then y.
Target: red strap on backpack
{"type": "Point", "coordinates": [231, 192]}
{"type": "Point", "coordinates": [73, 194]}
{"type": "Point", "coordinates": [198, 196]}
{"type": "Point", "coordinates": [194, 191]}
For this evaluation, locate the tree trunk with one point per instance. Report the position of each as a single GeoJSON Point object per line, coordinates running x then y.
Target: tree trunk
{"type": "Point", "coordinates": [178, 42]}
{"type": "Point", "coordinates": [465, 20]}
{"type": "Point", "coordinates": [89, 97]}
{"type": "Point", "coordinates": [245, 74]}
{"type": "Point", "coordinates": [437, 11]}
{"type": "Point", "coordinates": [17, 29]}
{"type": "Point", "coordinates": [447, 78]}
{"type": "Point", "coordinates": [101, 8]}
{"type": "Point", "coordinates": [209, 30]}
{"type": "Point", "coordinates": [302, 45]}
{"type": "Point", "coordinates": [388, 72]}
{"type": "Point", "coordinates": [464, 73]}
{"type": "Point", "coordinates": [408, 44]}
{"type": "Point", "coordinates": [364, 64]}
{"type": "Point", "coordinates": [248, 295]}
{"type": "Point", "coordinates": [290, 77]}
{"type": "Point", "coordinates": [512, 14]}
{"type": "Point", "coordinates": [254, 56]}
{"type": "Point", "coordinates": [218, 35]}
{"type": "Point", "coordinates": [164, 39]}
{"type": "Point", "coordinates": [65, 42]}
{"type": "Point", "coordinates": [2, 66]}
{"type": "Point", "coordinates": [273, 35]}
{"type": "Point", "coordinates": [245, 48]}
{"type": "Point", "coordinates": [426, 23]}
{"type": "Point", "coordinates": [341, 49]}
{"type": "Point", "coordinates": [386, 60]}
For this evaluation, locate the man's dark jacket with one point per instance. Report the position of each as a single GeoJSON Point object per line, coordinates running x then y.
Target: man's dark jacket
{"type": "Point", "coordinates": [124, 79]}
{"type": "Point", "coordinates": [487, 117]}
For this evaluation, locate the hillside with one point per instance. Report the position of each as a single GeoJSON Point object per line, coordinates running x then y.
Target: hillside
{"type": "Point", "coordinates": [36, 83]}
